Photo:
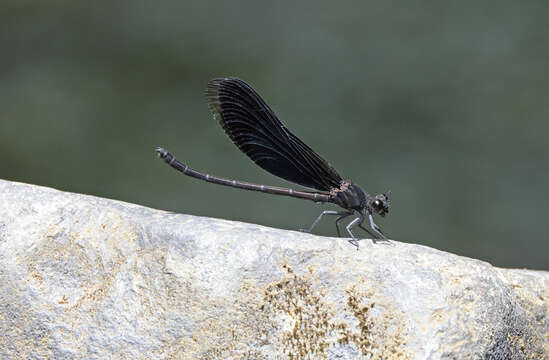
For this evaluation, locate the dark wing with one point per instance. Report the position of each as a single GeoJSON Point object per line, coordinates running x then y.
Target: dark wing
{"type": "Point", "coordinates": [258, 133]}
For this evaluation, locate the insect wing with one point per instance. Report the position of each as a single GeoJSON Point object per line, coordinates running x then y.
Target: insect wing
{"type": "Point", "coordinates": [255, 129]}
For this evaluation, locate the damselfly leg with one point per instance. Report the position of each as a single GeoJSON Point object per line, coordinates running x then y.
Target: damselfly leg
{"type": "Point", "coordinates": [342, 214]}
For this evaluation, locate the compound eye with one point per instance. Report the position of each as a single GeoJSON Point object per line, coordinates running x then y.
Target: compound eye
{"type": "Point", "coordinates": [377, 204]}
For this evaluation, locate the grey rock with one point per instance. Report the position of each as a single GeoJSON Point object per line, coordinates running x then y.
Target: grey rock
{"type": "Point", "coordinates": [90, 278]}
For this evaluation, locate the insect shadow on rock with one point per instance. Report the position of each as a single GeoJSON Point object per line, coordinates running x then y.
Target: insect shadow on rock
{"type": "Point", "coordinates": [258, 133]}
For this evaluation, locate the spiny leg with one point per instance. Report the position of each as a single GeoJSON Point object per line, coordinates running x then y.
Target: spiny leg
{"type": "Point", "coordinates": [342, 214]}
{"type": "Point", "coordinates": [352, 224]}
{"type": "Point", "coordinates": [375, 239]}
{"type": "Point", "coordinates": [339, 219]}
{"type": "Point", "coordinates": [376, 228]}
{"type": "Point", "coordinates": [368, 231]}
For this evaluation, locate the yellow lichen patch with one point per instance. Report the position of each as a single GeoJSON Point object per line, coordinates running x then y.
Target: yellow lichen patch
{"type": "Point", "coordinates": [289, 318]}
{"type": "Point", "coordinates": [306, 326]}
{"type": "Point", "coordinates": [381, 333]}
{"type": "Point", "coordinates": [519, 343]}
{"type": "Point", "coordinates": [63, 300]}
{"type": "Point", "coordinates": [306, 323]}
{"type": "Point", "coordinates": [37, 277]}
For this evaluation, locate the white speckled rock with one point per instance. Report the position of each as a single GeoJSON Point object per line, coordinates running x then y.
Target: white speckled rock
{"type": "Point", "coordinates": [90, 278]}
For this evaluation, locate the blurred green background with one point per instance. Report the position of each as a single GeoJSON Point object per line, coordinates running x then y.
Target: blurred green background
{"type": "Point", "coordinates": [444, 103]}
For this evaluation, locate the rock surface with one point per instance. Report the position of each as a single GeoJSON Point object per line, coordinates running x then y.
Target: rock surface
{"type": "Point", "coordinates": [90, 278]}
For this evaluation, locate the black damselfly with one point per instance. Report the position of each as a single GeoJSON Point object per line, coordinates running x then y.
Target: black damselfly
{"type": "Point", "coordinates": [255, 129]}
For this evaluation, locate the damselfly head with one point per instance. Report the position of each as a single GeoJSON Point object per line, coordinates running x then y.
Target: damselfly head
{"type": "Point", "coordinates": [380, 204]}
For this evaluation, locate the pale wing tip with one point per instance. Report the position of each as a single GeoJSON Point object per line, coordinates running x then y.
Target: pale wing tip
{"type": "Point", "coordinates": [218, 85]}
